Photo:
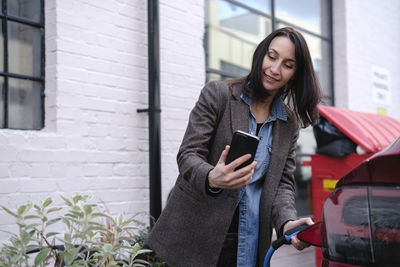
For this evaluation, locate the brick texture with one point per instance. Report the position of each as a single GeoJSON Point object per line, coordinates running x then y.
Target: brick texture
{"type": "Point", "coordinates": [94, 141]}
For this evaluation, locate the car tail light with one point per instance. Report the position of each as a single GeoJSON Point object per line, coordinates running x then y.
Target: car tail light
{"type": "Point", "coordinates": [312, 235]}
{"type": "Point", "coordinates": [360, 226]}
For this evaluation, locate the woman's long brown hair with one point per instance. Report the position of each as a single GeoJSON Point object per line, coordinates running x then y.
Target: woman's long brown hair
{"type": "Point", "coordinates": [302, 92]}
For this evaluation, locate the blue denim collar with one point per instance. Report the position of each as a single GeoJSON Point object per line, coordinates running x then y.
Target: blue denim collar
{"type": "Point", "coordinates": [277, 111]}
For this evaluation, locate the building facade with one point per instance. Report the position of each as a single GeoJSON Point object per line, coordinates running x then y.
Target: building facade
{"type": "Point", "coordinates": [75, 72]}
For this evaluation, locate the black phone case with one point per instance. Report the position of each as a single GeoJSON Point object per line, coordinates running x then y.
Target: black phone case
{"type": "Point", "coordinates": [242, 143]}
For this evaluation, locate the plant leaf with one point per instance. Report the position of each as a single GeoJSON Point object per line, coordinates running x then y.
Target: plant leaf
{"type": "Point", "coordinates": [53, 209]}
{"type": "Point", "coordinates": [144, 251]}
{"type": "Point", "coordinates": [32, 225]}
{"type": "Point", "coordinates": [79, 235]}
{"type": "Point", "coordinates": [24, 209]}
{"type": "Point", "coordinates": [31, 217]}
{"type": "Point", "coordinates": [100, 214]}
{"type": "Point", "coordinates": [67, 237]}
{"type": "Point", "coordinates": [52, 221]}
{"type": "Point", "coordinates": [140, 261]}
{"type": "Point", "coordinates": [76, 198]}
{"type": "Point", "coordinates": [42, 255]}
{"type": "Point", "coordinates": [66, 221]}
{"type": "Point", "coordinates": [130, 228]}
{"type": "Point", "coordinates": [88, 209]}
{"type": "Point", "coordinates": [25, 237]}
{"type": "Point", "coordinates": [67, 201]}
{"type": "Point", "coordinates": [107, 247]}
{"type": "Point", "coordinates": [47, 202]}
{"type": "Point", "coordinates": [10, 212]}
{"type": "Point", "coordinates": [51, 234]}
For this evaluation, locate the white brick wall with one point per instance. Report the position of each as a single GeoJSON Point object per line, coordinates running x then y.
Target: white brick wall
{"type": "Point", "coordinates": [182, 75]}
{"type": "Point", "coordinates": [94, 141]}
{"type": "Point", "coordinates": [366, 33]}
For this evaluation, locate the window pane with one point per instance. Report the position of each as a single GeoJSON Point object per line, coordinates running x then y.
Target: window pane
{"type": "Point", "coordinates": [232, 35]}
{"type": "Point", "coordinates": [24, 49]}
{"type": "Point", "coordinates": [213, 76]}
{"type": "Point", "coordinates": [346, 240]}
{"type": "Point", "coordinates": [262, 5]}
{"type": "Point", "coordinates": [308, 14]}
{"type": "Point", "coordinates": [1, 102]}
{"type": "Point", "coordinates": [325, 72]}
{"type": "Point", "coordinates": [24, 104]}
{"type": "Point", "coordinates": [385, 220]}
{"type": "Point", "coordinates": [1, 47]}
{"type": "Point", "coordinates": [28, 9]}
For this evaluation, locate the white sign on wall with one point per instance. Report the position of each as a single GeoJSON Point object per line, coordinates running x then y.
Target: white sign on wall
{"type": "Point", "coordinates": [380, 85]}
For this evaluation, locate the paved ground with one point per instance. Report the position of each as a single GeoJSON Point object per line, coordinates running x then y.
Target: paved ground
{"type": "Point", "coordinates": [287, 256]}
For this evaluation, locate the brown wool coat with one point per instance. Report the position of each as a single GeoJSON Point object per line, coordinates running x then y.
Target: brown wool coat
{"type": "Point", "coordinates": [192, 226]}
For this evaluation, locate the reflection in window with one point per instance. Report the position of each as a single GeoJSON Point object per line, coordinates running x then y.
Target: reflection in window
{"type": "Point", "coordinates": [261, 5]}
{"type": "Point", "coordinates": [305, 14]}
{"type": "Point", "coordinates": [385, 220]}
{"type": "Point", "coordinates": [237, 71]}
{"type": "Point", "coordinates": [1, 48]}
{"type": "Point", "coordinates": [22, 65]}
{"type": "Point", "coordinates": [27, 9]}
{"type": "Point", "coordinates": [233, 32]}
{"type": "Point", "coordinates": [247, 23]}
{"type": "Point", "coordinates": [24, 108]}
{"type": "Point", "coordinates": [24, 49]}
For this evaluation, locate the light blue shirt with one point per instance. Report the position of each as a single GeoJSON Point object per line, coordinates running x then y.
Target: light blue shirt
{"type": "Point", "coordinates": [249, 196]}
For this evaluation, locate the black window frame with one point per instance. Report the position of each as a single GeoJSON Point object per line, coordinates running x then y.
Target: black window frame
{"type": "Point", "coordinates": [6, 74]}
{"type": "Point", "coordinates": [274, 22]}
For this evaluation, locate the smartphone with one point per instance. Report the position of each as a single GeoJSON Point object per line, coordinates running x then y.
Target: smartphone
{"type": "Point", "coordinates": [242, 143]}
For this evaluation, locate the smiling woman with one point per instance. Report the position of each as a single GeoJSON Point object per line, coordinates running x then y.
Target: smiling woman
{"type": "Point", "coordinates": [285, 63]}
{"type": "Point", "coordinates": [279, 64]}
{"type": "Point", "coordinates": [220, 206]}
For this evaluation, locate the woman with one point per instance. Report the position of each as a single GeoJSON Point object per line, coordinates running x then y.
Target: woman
{"type": "Point", "coordinates": [216, 216]}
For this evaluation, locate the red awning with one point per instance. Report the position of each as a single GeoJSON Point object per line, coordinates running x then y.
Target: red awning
{"type": "Point", "coordinates": [372, 132]}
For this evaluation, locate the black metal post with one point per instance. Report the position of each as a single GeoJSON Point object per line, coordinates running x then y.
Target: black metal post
{"type": "Point", "coordinates": [5, 66]}
{"type": "Point", "coordinates": [154, 109]}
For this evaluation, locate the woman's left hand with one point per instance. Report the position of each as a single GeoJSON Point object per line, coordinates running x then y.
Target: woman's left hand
{"type": "Point", "coordinates": [299, 245]}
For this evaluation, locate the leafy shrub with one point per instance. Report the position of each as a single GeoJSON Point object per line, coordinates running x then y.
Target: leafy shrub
{"type": "Point", "coordinates": [91, 237]}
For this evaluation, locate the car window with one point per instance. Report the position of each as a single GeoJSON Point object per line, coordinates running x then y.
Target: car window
{"type": "Point", "coordinates": [363, 225]}
{"type": "Point", "coordinates": [385, 224]}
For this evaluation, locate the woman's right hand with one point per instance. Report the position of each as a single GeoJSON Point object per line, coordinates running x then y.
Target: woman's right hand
{"type": "Point", "coordinates": [225, 176]}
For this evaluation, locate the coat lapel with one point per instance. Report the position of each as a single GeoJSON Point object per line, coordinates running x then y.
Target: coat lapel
{"type": "Point", "coordinates": [280, 147]}
{"type": "Point", "coordinates": [239, 116]}
{"type": "Point", "coordinates": [239, 110]}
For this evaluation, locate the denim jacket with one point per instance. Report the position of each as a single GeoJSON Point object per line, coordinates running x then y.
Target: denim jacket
{"type": "Point", "coordinates": [249, 197]}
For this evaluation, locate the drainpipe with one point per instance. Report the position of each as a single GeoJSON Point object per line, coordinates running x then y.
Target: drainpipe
{"type": "Point", "coordinates": [154, 109]}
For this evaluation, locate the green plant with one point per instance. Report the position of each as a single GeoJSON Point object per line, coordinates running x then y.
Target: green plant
{"type": "Point", "coordinates": [91, 237]}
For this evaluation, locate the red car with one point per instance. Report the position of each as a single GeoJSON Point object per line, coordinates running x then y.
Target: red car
{"type": "Point", "coordinates": [360, 223]}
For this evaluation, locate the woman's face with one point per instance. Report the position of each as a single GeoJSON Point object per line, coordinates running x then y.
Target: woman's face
{"type": "Point", "coordinates": [279, 64]}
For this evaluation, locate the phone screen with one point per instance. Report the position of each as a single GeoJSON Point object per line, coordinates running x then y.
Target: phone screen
{"type": "Point", "coordinates": [242, 143]}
